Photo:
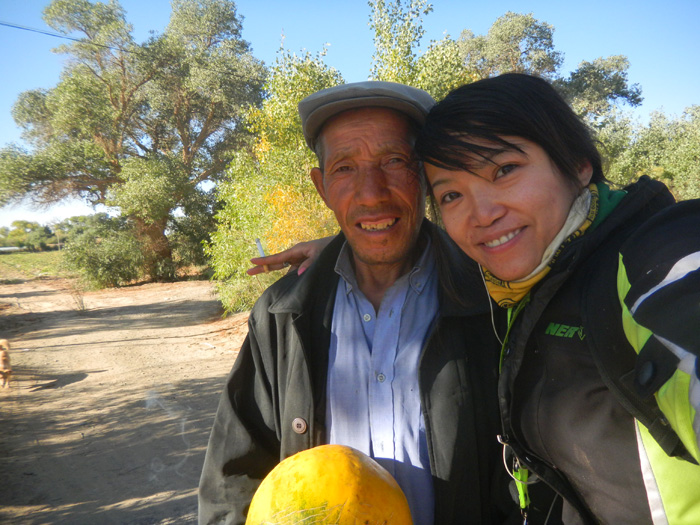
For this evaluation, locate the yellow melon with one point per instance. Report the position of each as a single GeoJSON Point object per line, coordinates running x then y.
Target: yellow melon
{"type": "Point", "coordinates": [330, 484]}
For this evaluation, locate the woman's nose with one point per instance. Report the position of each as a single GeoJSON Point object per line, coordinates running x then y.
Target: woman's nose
{"type": "Point", "coordinates": [485, 208]}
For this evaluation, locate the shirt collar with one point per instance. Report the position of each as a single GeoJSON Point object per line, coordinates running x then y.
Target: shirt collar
{"type": "Point", "coordinates": [417, 277]}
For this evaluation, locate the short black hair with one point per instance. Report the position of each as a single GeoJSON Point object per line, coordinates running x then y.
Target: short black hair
{"type": "Point", "coordinates": [509, 105]}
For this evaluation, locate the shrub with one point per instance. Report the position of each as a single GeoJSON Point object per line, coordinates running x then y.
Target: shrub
{"type": "Point", "coordinates": [105, 258]}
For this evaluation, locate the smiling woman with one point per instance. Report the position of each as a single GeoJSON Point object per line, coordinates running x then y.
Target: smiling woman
{"type": "Point", "coordinates": [518, 182]}
{"type": "Point", "coordinates": [506, 210]}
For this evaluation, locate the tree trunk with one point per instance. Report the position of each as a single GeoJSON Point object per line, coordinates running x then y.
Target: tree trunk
{"type": "Point", "coordinates": [158, 255]}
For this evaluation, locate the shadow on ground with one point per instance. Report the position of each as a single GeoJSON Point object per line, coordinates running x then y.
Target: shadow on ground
{"type": "Point", "coordinates": [157, 437]}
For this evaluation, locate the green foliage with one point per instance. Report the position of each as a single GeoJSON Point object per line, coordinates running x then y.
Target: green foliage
{"type": "Point", "coordinates": [665, 149]}
{"type": "Point", "coordinates": [397, 31]}
{"type": "Point", "coordinates": [268, 193]}
{"type": "Point", "coordinates": [4, 232]}
{"type": "Point", "coordinates": [596, 87]}
{"type": "Point", "coordinates": [256, 204]}
{"type": "Point", "coordinates": [441, 69]}
{"type": "Point", "coordinates": [151, 187]}
{"type": "Point", "coordinates": [148, 128]}
{"type": "Point", "coordinates": [105, 255]}
{"type": "Point", "coordinates": [191, 231]}
{"type": "Point", "coordinates": [515, 43]}
{"type": "Point", "coordinates": [29, 235]}
{"type": "Point", "coordinates": [277, 123]}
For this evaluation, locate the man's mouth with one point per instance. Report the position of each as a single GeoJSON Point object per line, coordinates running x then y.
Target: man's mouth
{"type": "Point", "coordinates": [378, 225]}
{"type": "Point", "coordinates": [503, 239]}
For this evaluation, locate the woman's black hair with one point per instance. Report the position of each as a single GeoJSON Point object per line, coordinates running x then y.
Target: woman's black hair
{"type": "Point", "coordinates": [509, 105]}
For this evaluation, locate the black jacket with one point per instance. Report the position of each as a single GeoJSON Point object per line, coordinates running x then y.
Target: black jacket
{"type": "Point", "coordinates": [559, 415]}
{"type": "Point", "coordinates": [274, 401]}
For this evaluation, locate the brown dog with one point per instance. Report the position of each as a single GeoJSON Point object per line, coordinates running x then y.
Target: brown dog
{"type": "Point", "coordinates": [5, 367]}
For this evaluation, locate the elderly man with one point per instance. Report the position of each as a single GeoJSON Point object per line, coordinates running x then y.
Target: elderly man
{"type": "Point", "coordinates": [369, 347]}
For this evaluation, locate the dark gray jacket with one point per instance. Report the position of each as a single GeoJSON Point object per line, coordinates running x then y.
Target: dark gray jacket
{"type": "Point", "coordinates": [560, 414]}
{"type": "Point", "coordinates": [274, 401]}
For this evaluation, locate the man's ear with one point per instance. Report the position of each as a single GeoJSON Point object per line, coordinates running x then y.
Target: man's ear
{"type": "Point", "coordinates": [585, 172]}
{"type": "Point", "coordinates": [317, 177]}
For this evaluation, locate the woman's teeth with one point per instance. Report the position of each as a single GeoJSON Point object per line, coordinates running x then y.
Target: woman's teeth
{"type": "Point", "coordinates": [504, 239]}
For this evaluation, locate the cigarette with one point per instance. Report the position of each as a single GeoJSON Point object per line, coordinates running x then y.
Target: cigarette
{"type": "Point", "coordinates": [262, 254]}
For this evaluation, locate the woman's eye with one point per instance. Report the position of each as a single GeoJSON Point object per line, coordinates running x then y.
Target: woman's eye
{"type": "Point", "coordinates": [505, 170]}
{"type": "Point", "coordinates": [448, 197]}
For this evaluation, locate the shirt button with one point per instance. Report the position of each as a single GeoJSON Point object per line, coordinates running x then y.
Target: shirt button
{"type": "Point", "coordinates": [367, 317]}
{"type": "Point", "coordinates": [381, 378]}
{"type": "Point", "coordinates": [299, 425]}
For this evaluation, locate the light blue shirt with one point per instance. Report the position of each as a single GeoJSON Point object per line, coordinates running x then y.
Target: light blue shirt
{"type": "Point", "coordinates": [373, 393]}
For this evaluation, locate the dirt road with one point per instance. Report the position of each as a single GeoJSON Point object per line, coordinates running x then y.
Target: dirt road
{"type": "Point", "coordinates": [112, 401]}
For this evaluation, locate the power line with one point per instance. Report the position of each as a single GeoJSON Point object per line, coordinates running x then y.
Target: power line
{"type": "Point", "coordinates": [57, 35]}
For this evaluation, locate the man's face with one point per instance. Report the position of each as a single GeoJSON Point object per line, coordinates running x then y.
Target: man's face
{"type": "Point", "coordinates": [370, 181]}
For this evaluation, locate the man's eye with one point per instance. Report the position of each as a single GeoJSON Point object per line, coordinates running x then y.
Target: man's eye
{"type": "Point", "coordinates": [394, 162]}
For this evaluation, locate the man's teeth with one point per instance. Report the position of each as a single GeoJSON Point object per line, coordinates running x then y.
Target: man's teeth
{"type": "Point", "coordinates": [381, 225]}
{"type": "Point", "coordinates": [503, 239]}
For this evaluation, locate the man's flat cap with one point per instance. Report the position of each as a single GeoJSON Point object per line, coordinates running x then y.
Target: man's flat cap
{"type": "Point", "coordinates": [316, 109]}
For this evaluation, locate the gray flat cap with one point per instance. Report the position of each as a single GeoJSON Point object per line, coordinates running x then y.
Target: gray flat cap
{"type": "Point", "coordinates": [316, 109]}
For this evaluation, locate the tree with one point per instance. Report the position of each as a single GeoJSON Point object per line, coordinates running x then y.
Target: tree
{"type": "Point", "coordinates": [268, 193]}
{"type": "Point", "coordinates": [397, 32]}
{"type": "Point", "coordinates": [148, 127]}
{"type": "Point", "coordinates": [441, 69]}
{"type": "Point", "coordinates": [515, 43]}
{"type": "Point", "coordinates": [28, 234]}
{"type": "Point", "coordinates": [595, 88]}
{"type": "Point", "coordinates": [4, 232]}
{"type": "Point", "coordinates": [665, 149]}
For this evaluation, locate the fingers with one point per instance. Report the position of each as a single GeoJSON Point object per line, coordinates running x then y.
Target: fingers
{"type": "Point", "coordinates": [304, 265]}
{"type": "Point", "coordinates": [265, 268]}
{"type": "Point", "coordinates": [300, 256]}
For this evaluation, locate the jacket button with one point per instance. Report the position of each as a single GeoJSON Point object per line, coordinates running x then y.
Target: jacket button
{"type": "Point", "coordinates": [299, 425]}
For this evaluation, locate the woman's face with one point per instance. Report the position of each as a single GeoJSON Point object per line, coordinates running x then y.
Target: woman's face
{"type": "Point", "coordinates": [506, 211]}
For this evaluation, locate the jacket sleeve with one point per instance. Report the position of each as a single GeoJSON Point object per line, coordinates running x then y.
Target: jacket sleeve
{"type": "Point", "coordinates": [659, 287]}
{"type": "Point", "coordinates": [244, 444]}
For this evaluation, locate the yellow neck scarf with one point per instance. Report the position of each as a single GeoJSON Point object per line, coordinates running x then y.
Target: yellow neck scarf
{"type": "Point", "coordinates": [510, 293]}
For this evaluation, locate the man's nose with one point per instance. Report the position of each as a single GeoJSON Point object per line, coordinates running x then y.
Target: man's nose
{"type": "Point", "coordinates": [371, 186]}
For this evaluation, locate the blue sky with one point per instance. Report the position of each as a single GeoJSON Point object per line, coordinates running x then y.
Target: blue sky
{"type": "Point", "coordinates": [659, 38]}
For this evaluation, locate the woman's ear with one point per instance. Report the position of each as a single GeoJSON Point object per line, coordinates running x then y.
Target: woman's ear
{"type": "Point", "coordinates": [585, 173]}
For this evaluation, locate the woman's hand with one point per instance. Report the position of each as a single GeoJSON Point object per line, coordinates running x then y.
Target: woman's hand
{"type": "Point", "coordinates": [299, 256]}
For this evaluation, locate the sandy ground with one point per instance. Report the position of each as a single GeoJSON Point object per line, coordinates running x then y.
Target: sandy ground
{"type": "Point", "coordinates": [112, 400]}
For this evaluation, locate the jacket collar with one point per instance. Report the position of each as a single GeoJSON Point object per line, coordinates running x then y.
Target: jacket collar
{"type": "Point", "coordinates": [644, 198]}
{"type": "Point", "coordinates": [461, 291]}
